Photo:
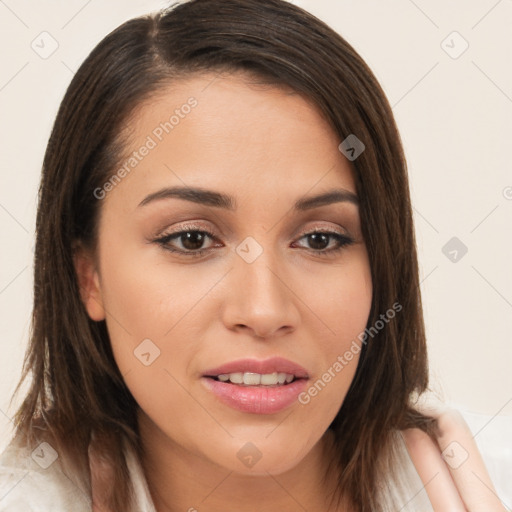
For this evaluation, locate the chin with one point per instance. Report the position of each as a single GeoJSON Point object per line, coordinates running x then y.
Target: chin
{"type": "Point", "coordinates": [259, 458]}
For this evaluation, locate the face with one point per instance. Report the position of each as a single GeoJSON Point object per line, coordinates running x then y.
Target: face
{"type": "Point", "coordinates": [248, 272]}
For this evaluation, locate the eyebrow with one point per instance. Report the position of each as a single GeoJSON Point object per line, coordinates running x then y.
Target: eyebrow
{"type": "Point", "coordinates": [225, 201]}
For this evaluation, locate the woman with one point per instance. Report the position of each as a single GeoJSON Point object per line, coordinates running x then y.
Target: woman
{"type": "Point", "coordinates": [224, 218]}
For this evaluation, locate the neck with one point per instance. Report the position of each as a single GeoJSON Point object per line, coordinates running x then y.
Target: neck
{"type": "Point", "coordinates": [180, 480]}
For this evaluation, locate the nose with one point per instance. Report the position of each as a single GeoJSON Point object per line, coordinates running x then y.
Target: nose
{"type": "Point", "coordinates": [260, 298]}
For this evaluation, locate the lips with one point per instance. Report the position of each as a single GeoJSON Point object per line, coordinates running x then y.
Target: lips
{"type": "Point", "coordinates": [267, 366]}
{"type": "Point", "coordinates": [255, 398]}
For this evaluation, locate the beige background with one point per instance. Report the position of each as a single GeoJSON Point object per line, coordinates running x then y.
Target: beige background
{"type": "Point", "coordinates": [455, 118]}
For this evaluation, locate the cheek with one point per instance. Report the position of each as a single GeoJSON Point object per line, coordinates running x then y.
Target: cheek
{"type": "Point", "coordinates": [148, 299]}
{"type": "Point", "coordinates": [343, 308]}
{"type": "Point", "coordinates": [341, 298]}
{"type": "Point", "coordinates": [152, 313]}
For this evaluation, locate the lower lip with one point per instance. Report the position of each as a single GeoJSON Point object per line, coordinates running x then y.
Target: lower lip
{"type": "Point", "coordinates": [256, 399]}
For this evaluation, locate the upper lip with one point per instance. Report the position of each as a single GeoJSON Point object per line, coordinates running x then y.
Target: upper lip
{"type": "Point", "coordinates": [274, 364]}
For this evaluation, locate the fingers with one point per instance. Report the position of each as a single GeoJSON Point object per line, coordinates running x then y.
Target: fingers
{"type": "Point", "coordinates": [465, 464]}
{"type": "Point", "coordinates": [433, 472]}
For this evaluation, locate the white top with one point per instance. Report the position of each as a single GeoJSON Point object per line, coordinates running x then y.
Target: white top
{"type": "Point", "coordinates": [33, 481]}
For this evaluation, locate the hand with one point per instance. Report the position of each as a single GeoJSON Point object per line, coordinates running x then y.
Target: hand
{"type": "Point", "coordinates": [455, 480]}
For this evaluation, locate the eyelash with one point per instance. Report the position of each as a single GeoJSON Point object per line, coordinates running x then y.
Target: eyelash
{"type": "Point", "coordinates": [343, 241]}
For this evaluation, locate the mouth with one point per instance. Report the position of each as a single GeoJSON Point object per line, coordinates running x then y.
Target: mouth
{"type": "Point", "coordinates": [274, 379]}
{"type": "Point", "coordinates": [253, 372]}
{"type": "Point", "coordinates": [258, 387]}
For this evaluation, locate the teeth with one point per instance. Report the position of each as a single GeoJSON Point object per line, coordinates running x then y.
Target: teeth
{"type": "Point", "coordinates": [256, 379]}
{"type": "Point", "coordinates": [236, 378]}
{"type": "Point", "coordinates": [252, 379]}
{"type": "Point", "coordinates": [269, 379]}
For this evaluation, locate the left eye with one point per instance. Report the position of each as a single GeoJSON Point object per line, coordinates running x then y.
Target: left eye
{"type": "Point", "coordinates": [320, 240]}
{"type": "Point", "coordinates": [192, 241]}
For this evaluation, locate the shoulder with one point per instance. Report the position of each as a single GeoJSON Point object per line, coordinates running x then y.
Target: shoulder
{"type": "Point", "coordinates": [32, 480]}
{"type": "Point", "coordinates": [401, 487]}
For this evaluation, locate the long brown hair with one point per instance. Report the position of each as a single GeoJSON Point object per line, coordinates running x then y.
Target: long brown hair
{"type": "Point", "coordinates": [76, 385]}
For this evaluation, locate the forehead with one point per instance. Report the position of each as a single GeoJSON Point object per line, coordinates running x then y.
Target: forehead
{"type": "Point", "coordinates": [230, 132]}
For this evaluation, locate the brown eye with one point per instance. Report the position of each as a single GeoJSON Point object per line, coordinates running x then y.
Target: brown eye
{"type": "Point", "coordinates": [191, 240]}
{"type": "Point", "coordinates": [319, 241]}
{"type": "Point", "coordinates": [188, 242]}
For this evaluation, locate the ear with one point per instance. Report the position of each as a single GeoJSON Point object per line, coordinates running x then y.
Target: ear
{"type": "Point", "coordinates": [89, 282]}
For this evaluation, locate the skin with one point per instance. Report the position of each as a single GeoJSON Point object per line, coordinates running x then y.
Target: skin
{"type": "Point", "coordinates": [462, 483]}
{"type": "Point", "coordinates": [267, 147]}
